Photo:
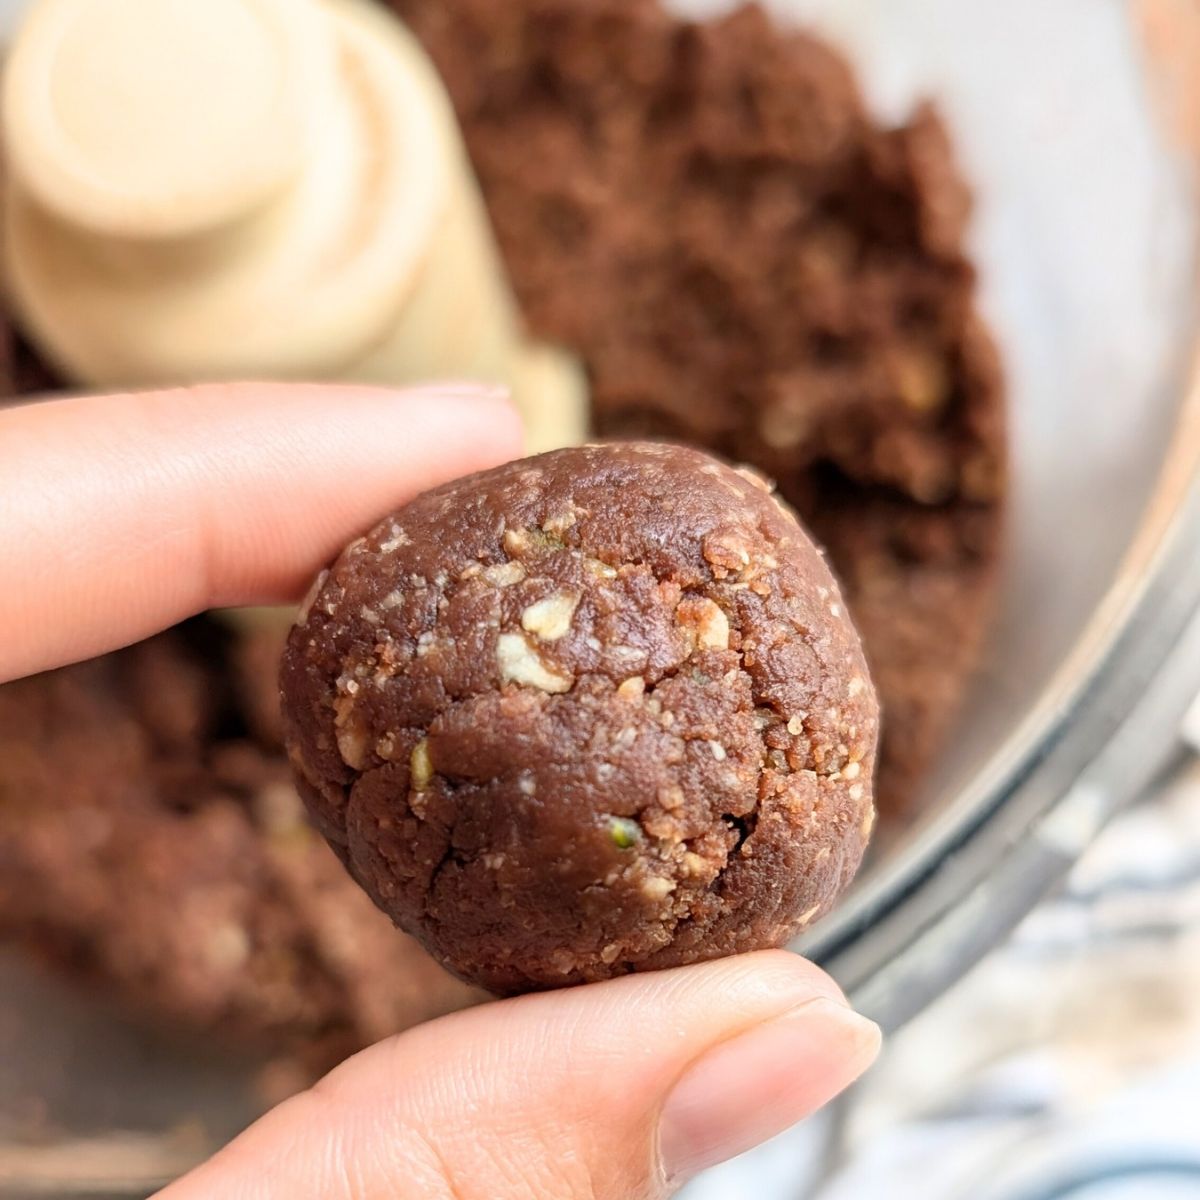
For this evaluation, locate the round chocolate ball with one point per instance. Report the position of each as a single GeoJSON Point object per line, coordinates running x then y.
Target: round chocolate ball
{"type": "Point", "coordinates": [593, 712]}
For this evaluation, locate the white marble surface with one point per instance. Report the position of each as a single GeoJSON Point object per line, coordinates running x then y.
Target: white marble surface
{"type": "Point", "coordinates": [1073, 1053]}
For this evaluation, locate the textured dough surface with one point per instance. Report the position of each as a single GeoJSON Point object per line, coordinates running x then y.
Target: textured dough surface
{"type": "Point", "coordinates": [597, 711]}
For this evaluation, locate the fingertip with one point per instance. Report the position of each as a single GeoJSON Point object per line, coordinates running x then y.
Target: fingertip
{"type": "Point", "coordinates": [752, 983]}
{"type": "Point", "coordinates": [744, 1090]}
{"type": "Point", "coordinates": [621, 1088]}
{"type": "Point", "coordinates": [477, 423]}
{"type": "Point", "coordinates": [764, 973]}
{"type": "Point", "coordinates": [213, 496]}
{"type": "Point", "coordinates": [493, 412]}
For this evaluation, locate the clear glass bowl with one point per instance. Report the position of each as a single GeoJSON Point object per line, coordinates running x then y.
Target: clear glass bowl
{"type": "Point", "coordinates": [1086, 235]}
{"type": "Point", "coordinates": [1086, 232]}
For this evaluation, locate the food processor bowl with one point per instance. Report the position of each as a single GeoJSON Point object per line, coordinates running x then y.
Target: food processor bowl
{"type": "Point", "coordinates": [1085, 232]}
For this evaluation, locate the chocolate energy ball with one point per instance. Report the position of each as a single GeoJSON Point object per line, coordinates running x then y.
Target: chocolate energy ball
{"type": "Point", "coordinates": [593, 712]}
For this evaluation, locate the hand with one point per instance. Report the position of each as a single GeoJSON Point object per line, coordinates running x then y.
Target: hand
{"type": "Point", "coordinates": [122, 515]}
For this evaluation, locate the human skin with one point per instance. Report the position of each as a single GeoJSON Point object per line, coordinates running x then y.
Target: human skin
{"type": "Point", "coordinates": [122, 515]}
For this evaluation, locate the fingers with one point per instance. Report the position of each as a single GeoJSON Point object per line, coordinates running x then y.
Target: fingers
{"type": "Point", "coordinates": [623, 1089]}
{"type": "Point", "coordinates": [120, 515]}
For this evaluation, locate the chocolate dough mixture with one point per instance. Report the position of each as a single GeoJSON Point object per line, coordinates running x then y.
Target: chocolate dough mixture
{"type": "Point", "coordinates": [151, 839]}
{"type": "Point", "coordinates": [745, 261]}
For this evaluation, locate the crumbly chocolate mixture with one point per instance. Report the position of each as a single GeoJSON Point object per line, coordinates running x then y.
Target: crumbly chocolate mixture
{"type": "Point", "coordinates": [151, 838]}
{"type": "Point", "coordinates": [596, 711]}
{"type": "Point", "coordinates": [748, 262]}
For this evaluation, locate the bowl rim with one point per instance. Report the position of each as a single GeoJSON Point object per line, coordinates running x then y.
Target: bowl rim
{"type": "Point", "coordinates": [1006, 838]}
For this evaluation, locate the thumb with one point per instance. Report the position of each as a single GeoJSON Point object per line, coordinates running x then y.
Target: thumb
{"type": "Point", "coordinates": [619, 1089]}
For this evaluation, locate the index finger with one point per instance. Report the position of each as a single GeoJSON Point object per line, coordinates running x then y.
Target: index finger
{"type": "Point", "coordinates": [121, 515]}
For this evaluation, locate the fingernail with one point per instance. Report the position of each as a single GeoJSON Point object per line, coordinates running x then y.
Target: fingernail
{"type": "Point", "coordinates": [757, 1084]}
{"type": "Point", "coordinates": [481, 389]}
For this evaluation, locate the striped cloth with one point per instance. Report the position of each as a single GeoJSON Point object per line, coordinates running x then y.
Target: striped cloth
{"type": "Point", "coordinates": [1066, 1065]}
